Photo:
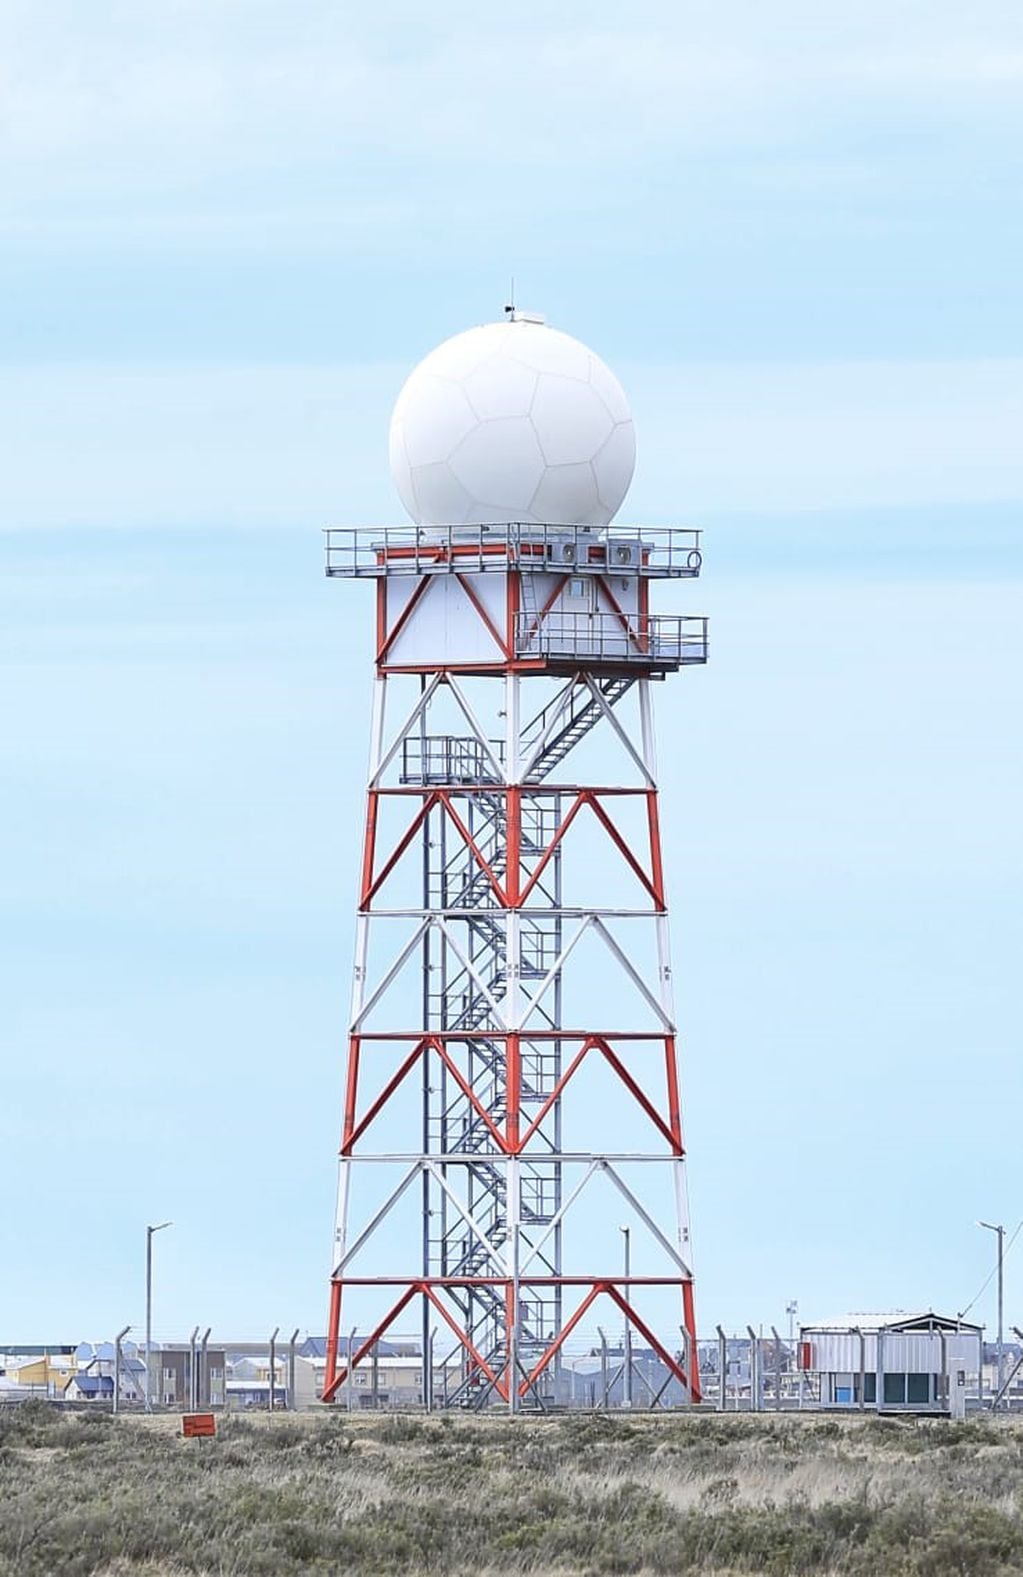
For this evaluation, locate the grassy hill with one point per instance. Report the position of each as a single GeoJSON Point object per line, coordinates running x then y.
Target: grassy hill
{"type": "Point", "coordinates": [86, 1494]}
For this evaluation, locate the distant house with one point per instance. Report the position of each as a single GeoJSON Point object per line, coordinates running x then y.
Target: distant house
{"type": "Point", "coordinates": [40, 1371]}
{"type": "Point", "coordinates": [251, 1392]}
{"type": "Point", "coordinates": [99, 1358]}
{"type": "Point", "coordinates": [172, 1366]}
{"type": "Point", "coordinates": [889, 1363]}
{"type": "Point", "coordinates": [11, 1391]}
{"type": "Point", "coordinates": [84, 1387]}
{"type": "Point", "coordinates": [315, 1347]}
{"type": "Point", "coordinates": [244, 1368]}
{"type": "Point", "coordinates": [132, 1375]}
{"type": "Point", "coordinates": [296, 1385]}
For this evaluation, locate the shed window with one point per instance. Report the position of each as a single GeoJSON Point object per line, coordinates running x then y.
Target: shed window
{"type": "Point", "coordinates": [918, 1388]}
{"type": "Point", "coordinates": [869, 1387]}
{"type": "Point", "coordinates": [895, 1388]}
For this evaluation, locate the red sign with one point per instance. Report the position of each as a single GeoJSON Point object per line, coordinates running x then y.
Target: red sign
{"type": "Point", "coordinates": [200, 1424]}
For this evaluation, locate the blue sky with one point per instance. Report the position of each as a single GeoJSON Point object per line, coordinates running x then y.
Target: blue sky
{"type": "Point", "coordinates": [226, 232]}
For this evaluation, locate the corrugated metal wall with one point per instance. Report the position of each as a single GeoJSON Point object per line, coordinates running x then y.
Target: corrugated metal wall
{"type": "Point", "coordinates": [909, 1352]}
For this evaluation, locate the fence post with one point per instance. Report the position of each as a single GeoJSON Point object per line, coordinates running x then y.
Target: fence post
{"type": "Point", "coordinates": [273, 1365]}
{"type": "Point", "coordinates": [291, 1367]}
{"type": "Point", "coordinates": [204, 1371]}
{"type": "Point", "coordinates": [193, 1387]}
{"type": "Point", "coordinates": [118, 1339]}
{"type": "Point", "coordinates": [863, 1369]}
{"type": "Point", "coordinates": [754, 1372]}
{"type": "Point", "coordinates": [351, 1368]}
{"type": "Point", "coordinates": [687, 1364]}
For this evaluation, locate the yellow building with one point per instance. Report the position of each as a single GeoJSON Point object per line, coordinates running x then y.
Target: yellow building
{"type": "Point", "coordinates": [45, 1373]}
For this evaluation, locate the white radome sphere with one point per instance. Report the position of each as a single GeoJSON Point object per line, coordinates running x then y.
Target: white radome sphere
{"type": "Point", "coordinates": [512, 421]}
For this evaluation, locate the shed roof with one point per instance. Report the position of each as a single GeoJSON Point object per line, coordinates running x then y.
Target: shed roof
{"type": "Point", "coordinates": [892, 1320]}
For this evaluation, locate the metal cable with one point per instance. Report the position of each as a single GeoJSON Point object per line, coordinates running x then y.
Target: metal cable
{"type": "Point", "coordinates": [990, 1275]}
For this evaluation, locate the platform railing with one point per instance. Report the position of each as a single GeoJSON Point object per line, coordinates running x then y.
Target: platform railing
{"type": "Point", "coordinates": [657, 552]}
{"type": "Point", "coordinates": [448, 758]}
{"type": "Point", "coordinates": [656, 641]}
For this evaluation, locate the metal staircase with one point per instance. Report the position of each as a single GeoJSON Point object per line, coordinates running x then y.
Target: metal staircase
{"type": "Point", "coordinates": [455, 883]}
{"type": "Point", "coordinates": [582, 713]}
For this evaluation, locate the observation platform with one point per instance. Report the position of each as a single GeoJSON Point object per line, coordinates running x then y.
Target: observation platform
{"type": "Point", "coordinates": [648, 553]}
{"type": "Point", "coordinates": [654, 643]}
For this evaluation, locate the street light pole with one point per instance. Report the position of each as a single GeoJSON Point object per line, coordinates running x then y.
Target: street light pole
{"type": "Point", "coordinates": [149, 1310]}
{"type": "Point", "coordinates": [627, 1351]}
{"type": "Point", "coordinates": [1000, 1233]}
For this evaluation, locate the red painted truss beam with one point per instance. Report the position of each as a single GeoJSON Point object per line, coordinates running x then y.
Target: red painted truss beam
{"type": "Point", "coordinates": [504, 1281]}
{"type": "Point", "coordinates": [354, 1130]}
{"type": "Point", "coordinates": [528, 789]}
{"type": "Point", "coordinates": [335, 1377]}
{"type": "Point", "coordinates": [372, 880]}
{"type": "Point", "coordinates": [527, 1035]}
{"type": "Point", "coordinates": [591, 797]}
{"type": "Point", "coordinates": [513, 894]}
{"type": "Point", "coordinates": [674, 1138]}
{"type": "Point", "coordinates": [514, 1139]}
{"type": "Point", "coordinates": [429, 1288]}
{"type": "Point", "coordinates": [387, 638]}
{"type": "Point", "coordinates": [503, 643]}
{"type": "Point", "coordinates": [639, 642]}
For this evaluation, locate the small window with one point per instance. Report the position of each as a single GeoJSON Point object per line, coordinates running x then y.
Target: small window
{"type": "Point", "coordinates": [894, 1388]}
{"type": "Point", "coordinates": [576, 588]}
{"type": "Point", "coordinates": [870, 1387]}
{"type": "Point", "coordinates": [918, 1388]}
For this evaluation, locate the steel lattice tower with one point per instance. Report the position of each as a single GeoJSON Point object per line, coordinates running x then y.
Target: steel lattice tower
{"type": "Point", "coordinates": [492, 976]}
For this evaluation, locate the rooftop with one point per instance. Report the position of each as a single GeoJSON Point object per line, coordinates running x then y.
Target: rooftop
{"type": "Point", "coordinates": [890, 1319]}
{"type": "Point", "coordinates": [655, 552]}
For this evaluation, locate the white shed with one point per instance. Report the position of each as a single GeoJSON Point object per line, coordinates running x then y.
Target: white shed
{"type": "Point", "coordinates": [893, 1362]}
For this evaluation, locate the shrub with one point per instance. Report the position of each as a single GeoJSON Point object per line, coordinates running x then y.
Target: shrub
{"type": "Point", "coordinates": [85, 1495]}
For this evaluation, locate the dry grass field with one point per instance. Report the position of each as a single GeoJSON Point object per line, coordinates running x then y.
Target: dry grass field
{"type": "Point", "coordinates": [583, 1494]}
